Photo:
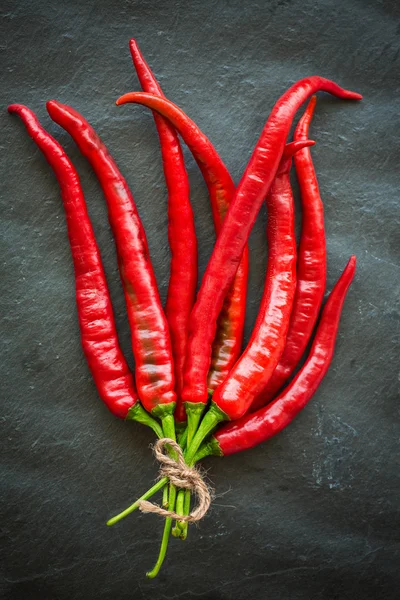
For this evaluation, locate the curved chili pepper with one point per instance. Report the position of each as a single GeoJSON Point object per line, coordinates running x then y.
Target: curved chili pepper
{"type": "Point", "coordinates": [311, 267]}
{"type": "Point", "coordinates": [235, 231]}
{"type": "Point", "coordinates": [258, 427]}
{"type": "Point", "coordinates": [228, 340]}
{"type": "Point", "coordinates": [99, 338]}
{"type": "Point", "coordinates": [149, 328]}
{"type": "Point", "coordinates": [227, 344]}
{"type": "Point", "coordinates": [181, 232]}
{"type": "Point", "coordinates": [267, 342]}
{"type": "Point", "coordinates": [255, 366]}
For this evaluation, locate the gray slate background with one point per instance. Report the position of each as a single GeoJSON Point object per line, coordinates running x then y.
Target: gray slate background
{"type": "Point", "coordinates": [314, 512]}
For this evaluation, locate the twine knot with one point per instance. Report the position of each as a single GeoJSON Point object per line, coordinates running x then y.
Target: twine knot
{"type": "Point", "coordinates": [182, 476]}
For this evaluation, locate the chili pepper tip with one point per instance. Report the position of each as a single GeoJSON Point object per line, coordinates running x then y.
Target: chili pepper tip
{"type": "Point", "coordinates": [13, 108]}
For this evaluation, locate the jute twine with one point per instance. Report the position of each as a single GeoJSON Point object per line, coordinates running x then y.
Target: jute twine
{"type": "Point", "coordinates": [182, 476]}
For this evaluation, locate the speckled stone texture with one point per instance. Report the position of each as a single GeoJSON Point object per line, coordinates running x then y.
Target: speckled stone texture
{"type": "Point", "coordinates": [314, 512]}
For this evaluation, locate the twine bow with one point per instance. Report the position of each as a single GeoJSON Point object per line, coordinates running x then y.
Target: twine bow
{"type": "Point", "coordinates": [182, 476]}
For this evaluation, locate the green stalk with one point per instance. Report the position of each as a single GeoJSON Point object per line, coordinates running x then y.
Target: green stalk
{"type": "Point", "coordinates": [209, 448]}
{"type": "Point", "coordinates": [165, 497]}
{"type": "Point", "coordinates": [168, 426]}
{"type": "Point", "coordinates": [179, 508]}
{"type": "Point", "coordinates": [194, 411]}
{"type": "Point", "coordinates": [165, 538]}
{"type": "Point", "coordinates": [184, 525]}
{"type": "Point", "coordinates": [182, 438]}
{"type": "Point", "coordinates": [165, 412]}
{"type": "Point", "coordinates": [176, 531]}
{"type": "Point", "coordinates": [211, 419]}
{"type": "Point", "coordinates": [137, 413]}
{"type": "Point", "coordinates": [180, 429]}
{"type": "Point", "coordinates": [198, 450]}
{"type": "Point", "coordinates": [157, 486]}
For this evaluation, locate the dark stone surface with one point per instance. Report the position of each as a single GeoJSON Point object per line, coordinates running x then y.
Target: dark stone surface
{"type": "Point", "coordinates": [311, 514]}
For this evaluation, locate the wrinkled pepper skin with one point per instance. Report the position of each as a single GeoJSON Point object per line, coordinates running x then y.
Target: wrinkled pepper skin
{"type": "Point", "coordinates": [181, 231]}
{"type": "Point", "coordinates": [244, 207]}
{"type": "Point", "coordinates": [151, 343]}
{"type": "Point", "coordinates": [311, 267]}
{"type": "Point", "coordinates": [107, 364]}
{"type": "Point", "coordinates": [255, 428]}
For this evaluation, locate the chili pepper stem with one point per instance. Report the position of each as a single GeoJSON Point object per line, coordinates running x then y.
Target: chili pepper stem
{"type": "Point", "coordinates": [210, 448]}
{"type": "Point", "coordinates": [184, 525]}
{"type": "Point", "coordinates": [165, 538]}
{"type": "Point", "coordinates": [176, 531]}
{"type": "Point", "coordinates": [165, 412]}
{"type": "Point", "coordinates": [182, 438]}
{"type": "Point", "coordinates": [168, 426]}
{"type": "Point", "coordinates": [157, 486]}
{"type": "Point", "coordinates": [165, 500]}
{"type": "Point", "coordinates": [194, 411]}
{"type": "Point", "coordinates": [180, 429]}
{"type": "Point", "coordinates": [211, 419]}
{"type": "Point", "coordinates": [137, 413]}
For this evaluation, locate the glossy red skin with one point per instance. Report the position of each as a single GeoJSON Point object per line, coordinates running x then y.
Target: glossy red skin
{"type": "Point", "coordinates": [229, 335]}
{"type": "Point", "coordinates": [255, 428]}
{"type": "Point", "coordinates": [311, 267]}
{"type": "Point", "coordinates": [242, 213]}
{"type": "Point", "coordinates": [181, 231]}
{"type": "Point", "coordinates": [149, 328]}
{"type": "Point", "coordinates": [228, 340]}
{"type": "Point", "coordinates": [109, 369]}
{"type": "Point", "coordinates": [258, 361]}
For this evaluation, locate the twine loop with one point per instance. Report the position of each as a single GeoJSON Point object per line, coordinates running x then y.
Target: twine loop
{"type": "Point", "coordinates": [182, 476]}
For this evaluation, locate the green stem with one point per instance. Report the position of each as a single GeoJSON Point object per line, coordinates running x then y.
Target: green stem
{"type": "Point", "coordinates": [176, 532]}
{"type": "Point", "coordinates": [137, 413]}
{"type": "Point", "coordinates": [157, 486]}
{"type": "Point", "coordinates": [168, 425]}
{"type": "Point", "coordinates": [180, 429]}
{"type": "Point", "coordinates": [209, 448]}
{"type": "Point", "coordinates": [165, 497]}
{"type": "Point", "coordinates": [184, 525]}
{"type": "Point", "coordinates": [182, 438]}
{"type": "Point", "coordinates": [165, 538]}
{"type": "Point", "coordinates": [211, 419]}
{"type": "Point", "coordinates": [194, 411]}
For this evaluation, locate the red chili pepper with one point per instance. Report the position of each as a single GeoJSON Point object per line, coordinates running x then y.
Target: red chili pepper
{"type": "Point", "coordinates": [228, 340]}
{"type": "Point", "coordinates": [258, 361]}
{"type": "Point", "coordinates": [311, 267]}
{"type": "Point", "coordinates": [150, 335]}
{"type": "Point", "coordinates": [181, 232]}
{"type": "Point", "coordinates": [230, 326]}
{"type": "Point", "coordinates": [100, 344]}
{"type": "Point", "coordinates": [258, 427]}
{"type": "Point", "coordinates": [239, 221]}
{"type": "Point", "coordinates": [255, 366]}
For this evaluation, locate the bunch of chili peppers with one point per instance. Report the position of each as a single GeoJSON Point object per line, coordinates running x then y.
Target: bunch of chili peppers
{"type": "Point", "coordinates": [193, 382]}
